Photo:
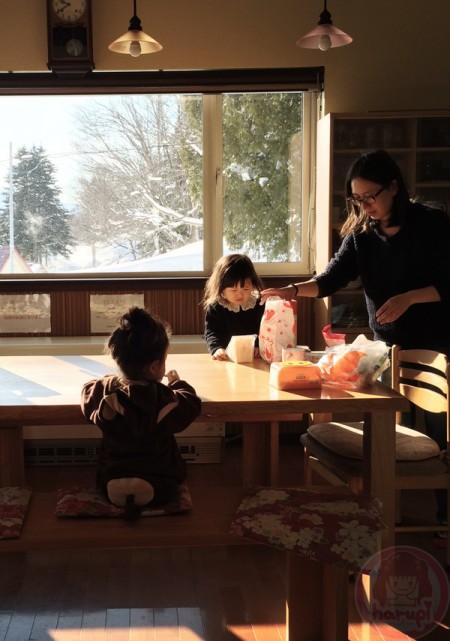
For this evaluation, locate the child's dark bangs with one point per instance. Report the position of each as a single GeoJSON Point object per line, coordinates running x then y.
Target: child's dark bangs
{"type": "Point", "coordinates": [237, 276]}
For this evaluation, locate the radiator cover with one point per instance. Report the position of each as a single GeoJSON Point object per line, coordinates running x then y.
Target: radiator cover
{"type": "Point", "coordinates": [193, 449]}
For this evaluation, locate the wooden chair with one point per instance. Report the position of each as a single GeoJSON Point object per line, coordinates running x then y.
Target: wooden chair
{"type": "Point", "coordinates": [334, 450]}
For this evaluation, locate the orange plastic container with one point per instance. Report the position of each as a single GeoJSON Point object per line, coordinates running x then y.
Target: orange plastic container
{"type": "Point", "coordinates": [295, 375]}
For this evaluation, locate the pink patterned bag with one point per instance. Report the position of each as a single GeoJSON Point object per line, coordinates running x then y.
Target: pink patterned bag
{"type": "Point", "coordinates": [278, 328]}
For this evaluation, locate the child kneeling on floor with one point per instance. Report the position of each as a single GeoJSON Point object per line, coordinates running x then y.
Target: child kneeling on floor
{"type": "Point", "coordinates": [139, 461]}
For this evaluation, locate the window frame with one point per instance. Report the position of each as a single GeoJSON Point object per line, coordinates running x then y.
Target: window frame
{"type": "Point", "coordinates": [210, 83]}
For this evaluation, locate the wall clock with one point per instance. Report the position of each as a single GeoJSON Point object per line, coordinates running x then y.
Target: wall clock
{"type": "Point", "coordinates": [69, 31]}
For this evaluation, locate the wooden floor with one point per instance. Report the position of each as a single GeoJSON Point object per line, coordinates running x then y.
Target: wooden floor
{"type": "Point", "coordinates": [195, 594]}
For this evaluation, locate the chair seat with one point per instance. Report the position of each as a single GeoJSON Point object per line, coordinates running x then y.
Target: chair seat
{"type": "Point", "coordinates": [346, 439]}
{"type": "Point", "coordinates": [353, 466]}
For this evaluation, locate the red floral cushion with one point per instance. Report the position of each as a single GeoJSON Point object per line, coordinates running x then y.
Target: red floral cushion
{"type": "Point", "coordinates": [87, 502]}
{"type": "Point", "coordinates": [13, 508]}
{"type": "Point", "coordinates": [330, 528]}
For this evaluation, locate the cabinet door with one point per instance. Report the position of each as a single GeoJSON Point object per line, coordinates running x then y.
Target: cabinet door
{"type": "Point", "coordinates": [433, 162]}
{"type": "Point", "coordinates": [349, 312]}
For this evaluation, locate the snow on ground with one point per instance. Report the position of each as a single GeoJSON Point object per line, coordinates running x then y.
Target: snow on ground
{"type": "Point", "coordinates": [187, 258]}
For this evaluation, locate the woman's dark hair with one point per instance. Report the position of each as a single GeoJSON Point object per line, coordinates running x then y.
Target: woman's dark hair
{"type": "Point", "coordinates": [378, 167]}
{"type": "Point", "coordinates": [140, 339]}
{"type": "Point", "coordinates": [228, 272]}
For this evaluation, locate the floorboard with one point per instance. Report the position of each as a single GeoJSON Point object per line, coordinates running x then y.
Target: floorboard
{"type": "Point", "coordinates": [234, 593]}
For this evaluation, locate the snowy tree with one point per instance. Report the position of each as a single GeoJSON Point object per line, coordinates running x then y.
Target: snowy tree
{"type": "Point", "coordinates": [133, 158]}
{"type": "Point", "coordinates": [259, 149]}
{"type": "Point", "coordinates": [261, 152]}
{"type": "Point", "coordinates": [41, 224]}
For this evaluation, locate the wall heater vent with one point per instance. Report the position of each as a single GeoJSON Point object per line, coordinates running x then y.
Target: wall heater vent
{"type": "Point", "coordinates": [194, 449]}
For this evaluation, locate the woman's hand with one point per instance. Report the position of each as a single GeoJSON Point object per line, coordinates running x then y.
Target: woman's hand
{"type": "Point", "coordinates": [172, 376]}
{"type": "Point", "coordinates": [287, 293]}
{"type": "Point", "coordinates": [220, 355]}
{"type": "Point", "coordinates": [393, 308]}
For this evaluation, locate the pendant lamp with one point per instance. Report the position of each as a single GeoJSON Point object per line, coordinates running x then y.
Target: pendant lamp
{"type": "Point", "coordinates": [135, 41]}
{"type": "Point", "coordinates": [325, 35]}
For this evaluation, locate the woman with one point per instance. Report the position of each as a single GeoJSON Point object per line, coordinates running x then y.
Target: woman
{"type": "Point", "coordinates": [401, 252]}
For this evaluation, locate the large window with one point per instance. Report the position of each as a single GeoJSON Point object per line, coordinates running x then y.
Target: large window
{"type": "Point", "coordinates": [155, 183]}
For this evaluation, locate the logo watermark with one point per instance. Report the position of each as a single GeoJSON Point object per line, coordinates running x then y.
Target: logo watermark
{"type": "Point", "coordinates": [408, 590]}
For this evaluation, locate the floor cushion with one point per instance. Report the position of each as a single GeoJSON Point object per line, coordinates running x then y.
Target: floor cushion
{"type": "Point", "coordinates": [341, 530]}
{"type": "Point", "coordinates": [13, 508]}
{"type": "Point", "coordinates": [75, 501]}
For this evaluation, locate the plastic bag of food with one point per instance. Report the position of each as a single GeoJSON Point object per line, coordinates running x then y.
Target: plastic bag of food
{"type": "Point", "coordinates": [356, 365]}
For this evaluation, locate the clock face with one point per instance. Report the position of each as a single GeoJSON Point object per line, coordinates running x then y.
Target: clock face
{"type": "Point", "coordinates": [69, 11]}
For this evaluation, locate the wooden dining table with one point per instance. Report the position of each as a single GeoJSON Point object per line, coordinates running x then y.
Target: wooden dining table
{"type": "Point", "coordinates": [45, 390]}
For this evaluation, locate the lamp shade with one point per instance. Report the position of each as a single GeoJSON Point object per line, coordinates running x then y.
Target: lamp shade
{"type": "Point", "coordinates": [135, 41]}
{"type": "Point", "coordinates": [323, 35]}
{"type": "Point", "coordinates": [144, 43]}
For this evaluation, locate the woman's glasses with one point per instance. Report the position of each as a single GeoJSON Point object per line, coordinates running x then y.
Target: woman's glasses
{"type": "Point", "coordinates": [357, 201]}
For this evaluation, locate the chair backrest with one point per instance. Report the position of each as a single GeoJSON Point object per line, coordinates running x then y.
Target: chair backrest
{"type": "Point", "coordinates": [422, 376]}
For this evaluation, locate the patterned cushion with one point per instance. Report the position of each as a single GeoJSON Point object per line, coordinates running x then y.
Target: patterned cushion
{"type": "Point", "coordinates": [337, 529]}
{"type": "Point", "coordinates": [346, 439]}
{"type": "Point", "coordinates": [13, 508]}
{"type": "Point", "coordinates": [87, 502]}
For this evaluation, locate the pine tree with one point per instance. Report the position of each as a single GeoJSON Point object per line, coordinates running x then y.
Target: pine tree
{"type": "Point", "coordinates": [261, 161]}
{"type": "Point", "coordinates": [260, 143]}
{"type": "Point", "coordinates": [41, 224]}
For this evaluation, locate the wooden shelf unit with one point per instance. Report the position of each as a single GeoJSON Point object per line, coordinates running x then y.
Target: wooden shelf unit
{"type": "Point", "coordinates": [420, 143]}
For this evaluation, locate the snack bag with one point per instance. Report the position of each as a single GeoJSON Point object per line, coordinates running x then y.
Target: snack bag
{"type": "Point", "coordinates": [356, 365]}
{"type": "Point", "coordinates": [278, 328]}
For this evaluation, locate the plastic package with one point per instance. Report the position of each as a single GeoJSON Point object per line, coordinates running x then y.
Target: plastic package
{"type": "Point", "coordinates": [286, 375]}
{"type": "Point", "coordinates": [356, 365]}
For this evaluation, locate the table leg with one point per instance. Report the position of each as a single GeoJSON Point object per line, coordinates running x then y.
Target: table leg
{"type": "Point", "coordinates": [274, 453]}
{"type": "Point", "coordinates": [379, 466]}
{"type": "Point", "coordinates": [12, 466]}
{"type": "Point", "coordinates": [263, 439]}
{"type": "Point", "coordinates": [317, 601]}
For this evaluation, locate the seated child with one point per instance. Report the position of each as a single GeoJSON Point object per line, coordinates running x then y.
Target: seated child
{"type": "Point", "coordinates": [138, 415]}
{"type": "Point", "coordinates": [232, 303]}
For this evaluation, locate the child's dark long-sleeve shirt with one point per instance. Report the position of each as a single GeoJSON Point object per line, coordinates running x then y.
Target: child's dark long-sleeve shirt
{"type": "Point", "coordinates": [222, 323]}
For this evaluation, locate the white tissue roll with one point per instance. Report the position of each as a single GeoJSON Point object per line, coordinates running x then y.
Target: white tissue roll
{"type": "Point", "coordinates": [241, 348]}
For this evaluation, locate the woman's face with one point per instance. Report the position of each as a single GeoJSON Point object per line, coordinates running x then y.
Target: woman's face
{"type": "Point", "coordinates": [238, 294]}
{"type": "Point", "coordinates": [369, 191]}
